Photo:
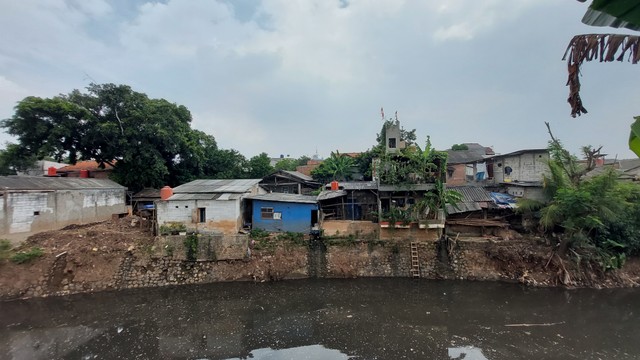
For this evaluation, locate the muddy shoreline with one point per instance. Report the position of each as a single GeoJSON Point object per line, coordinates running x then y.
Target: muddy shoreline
{"type": "Point", "coordinates": [107, 256]}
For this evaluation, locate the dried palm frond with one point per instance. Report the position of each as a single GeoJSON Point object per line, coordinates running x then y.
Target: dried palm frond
{"type": "Point", "coordinates": [602, 47]}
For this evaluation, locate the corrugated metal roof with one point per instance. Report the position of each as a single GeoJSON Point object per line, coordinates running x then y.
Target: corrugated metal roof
{"type": "Point", "coordinates": [406, 187]}
{"type": "Point", "coordinates": [55, 183]}
{"type": "Point", "coordinates": [292, 198]}
{"type": "Point", "coordinates": [462, 207]}
{"type": "Point", "coordinates": [329, 194]}
{"type": "Point", "coordinates": [147, 193]}
{"type": "Point", "coordinates": [475, 152]}
{"type": "Point", "coordinates": [358, 185]}
{"type": "Point", "coordinates": [520, 152]}
{"type": "Point", "coordinates": [217, 186]}
{"type": "Point", "coordinates": [185, 197]}
{"type": "Point", "coordinates": [298, 175]}
{"type": "Point", "coordinates": [472, 193]}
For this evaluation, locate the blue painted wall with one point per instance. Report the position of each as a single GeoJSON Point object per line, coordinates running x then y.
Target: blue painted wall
{"type": "Point", "coordinates": [295, 217]}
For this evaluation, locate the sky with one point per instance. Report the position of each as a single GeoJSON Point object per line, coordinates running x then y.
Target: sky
{"type": "Point", "coordinates": [311, 76]}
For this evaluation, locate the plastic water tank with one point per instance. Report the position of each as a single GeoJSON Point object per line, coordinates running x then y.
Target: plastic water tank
{"type": "Point", "coordinates": [335, 185]}
{"type": "Point", "coordinates": [52, 171]}
{"type": "Point", "coordinates": [84, 173]}
{"type": "Point", "coordinates": [166, 192]}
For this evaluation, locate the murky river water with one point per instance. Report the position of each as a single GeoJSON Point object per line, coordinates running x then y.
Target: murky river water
{"type": "Point", "coordinates": [328, 319]}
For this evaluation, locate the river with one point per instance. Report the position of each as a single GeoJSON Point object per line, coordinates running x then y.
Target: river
{"type": "Point", "coordinates": [327, 319]}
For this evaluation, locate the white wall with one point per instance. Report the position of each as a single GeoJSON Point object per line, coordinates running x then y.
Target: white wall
{"type": "Point", "coordinates": [526, 167]}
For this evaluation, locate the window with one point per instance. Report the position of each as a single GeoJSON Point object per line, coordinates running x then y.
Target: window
{"type": "Point", "coordinates": [266, 213]}
{"type": "Point", "coordinates": [35, 213]}
{"type": "Point", "coordinates": [392, 143]}
{"type": "Point", "coordinates": [202, 215]}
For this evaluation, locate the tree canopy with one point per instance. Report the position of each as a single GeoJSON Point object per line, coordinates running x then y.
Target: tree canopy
{"type": "Point", "coordinates": [149, 142]}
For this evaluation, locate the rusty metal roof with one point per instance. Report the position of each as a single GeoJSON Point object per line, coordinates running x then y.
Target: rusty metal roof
{"type": "Point", "coordinates": [279, 197]}
{"type": "Point", "coordinates": [55, 183]}
{"type": "Point", "coordinates": [209, 186]}
{"type": "Point", "coordinates": [472, 193]}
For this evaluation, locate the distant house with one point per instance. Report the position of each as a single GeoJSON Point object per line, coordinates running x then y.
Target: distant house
{"type": "Point", "coordinates": [468, 167]}
{"type": "Point", "coordinates": [40, 168]}
{"type": "Point", "coordinates": [88, 168]}
{"type": "Point", "coordinates": [209, 205]}
{"type": "Point", "coordinates": [355, 200]}
{"type": "Point", "coordinates": [521, 172]}
{"type": "Point", "coordinates": [309, 167]}
{"type": "Point", "coordinates": [289, 182]}
{"type": "Point", "coordinates": [34, 204]}
{"type": "Point", "coordinates": [470, 217]}
{"type": "Point", "coordinates": [277, 212]}
{"type": "Point", "coordinates": [627, 169]}
{"type": "Point", "coordinates": [144, 200]}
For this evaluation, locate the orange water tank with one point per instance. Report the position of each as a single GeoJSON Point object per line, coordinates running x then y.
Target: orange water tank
{"type": "Point", "coordinates": [166, 192]}
{"type": "Point", "coordinates": [84, 173]}
{"type": "Point", "coordinates": [52, 171]}
{"type": "Point", "coordinates": [335, 185]}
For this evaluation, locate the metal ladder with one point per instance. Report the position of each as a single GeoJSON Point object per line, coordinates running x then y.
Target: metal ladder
{"type": "Point", "coordinates": [415, 263]}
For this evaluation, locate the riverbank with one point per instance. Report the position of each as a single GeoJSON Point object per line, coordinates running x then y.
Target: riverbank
{"type": "Point", "coordinates": [120, 255]}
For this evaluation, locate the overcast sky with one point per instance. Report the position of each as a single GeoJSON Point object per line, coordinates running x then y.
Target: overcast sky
{"type": "Point", "coordinates": [290, 77]}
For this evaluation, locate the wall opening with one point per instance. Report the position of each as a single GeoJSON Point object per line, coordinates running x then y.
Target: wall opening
{"type": "Point", "coordinates": [202, 215]}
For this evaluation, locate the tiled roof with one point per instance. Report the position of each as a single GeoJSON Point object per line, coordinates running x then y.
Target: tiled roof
{"type": "Point", "coordinates": [54, 183]}
{"type": "Point", "coordinates": [475, 152]}
{"type": "Point", "coordinates": [217, 186]}
{"type": "Point", "coordinates": [91, 165]}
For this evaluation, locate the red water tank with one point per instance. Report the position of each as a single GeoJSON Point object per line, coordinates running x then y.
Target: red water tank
{"type": "Point", "coordinates": [84, 174]}
{"type": "Point", "coordinates": [166, 192]}
{"type": "Point", "coordinates": [52, 171]}
{"type": "Point", "coordinates": [335, 185]}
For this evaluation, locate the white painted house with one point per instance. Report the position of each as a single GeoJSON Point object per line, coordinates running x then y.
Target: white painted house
{"type": "Point", "coordinates": [521, 172]}
{"type": "Point", "coordinates": [32, 204]}
{"type": "Point", "coordinates": [209, 205]}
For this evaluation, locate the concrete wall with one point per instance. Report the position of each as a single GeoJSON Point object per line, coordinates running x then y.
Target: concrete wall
{"type": "Point", "coordinates": [220, 215]}
{"type": "Point", "coordinates": [294, 217]}
{"type": "Point", "coordinates": [528, 192]}
{"type": "Point", "coordinates": [526, 167]}
{"type": "Point", "coordinates": [364, 229]}
{"type": "Point", "coordinates": [26, 212]}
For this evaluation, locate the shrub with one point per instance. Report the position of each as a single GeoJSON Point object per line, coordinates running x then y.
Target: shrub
{"type": "Point", "coordinates": [172, 228]}
{"type": "Point", "coordinates": [191, 246]}
{"type": "Point", "coordinates": [22, 257]}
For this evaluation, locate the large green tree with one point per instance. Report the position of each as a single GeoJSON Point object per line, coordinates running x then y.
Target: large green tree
{"type": "Point", "coordinates": [260, 166]}
{"type": "Point", "coordinates": [336, 167]}
{"type": "Point", "coordinates": [149, 141]}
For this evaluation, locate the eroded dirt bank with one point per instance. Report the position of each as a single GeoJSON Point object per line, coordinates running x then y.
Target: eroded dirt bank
{"type": "Point", "coordinates": [119, 254]}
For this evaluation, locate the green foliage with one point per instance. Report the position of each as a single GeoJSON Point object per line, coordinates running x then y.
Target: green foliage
{"type": "Point", "coordinates": [336, 167]}
{"type": "Point", "coordinates": [291, 237]}
{"type": "Point", "coordinates": [286, 164]}
{"type": "Point", "coordinates": [149, 141]}
{"type": "Point", "coordinates": [191, 246]}
{"type": "Point", "coordinates": [599, 216]}
{"type": "Point", "coordinates": [22, 257]}
{"type": "Point", "coordinates": [634, 137]}
{"type": "Point", "coordinates": [169, 249]}
{"type": "Point", "coordinates": [413, 166]}
{"type": "Point", "coordinates": [458, 147]}
{"type": "Point", "coordinates": [172, 228]}
{"type": "Point", "coordinates": [437, 199]}
{"type": "Point", "coordinates": [258, 234]}
{"type": "Point", "coordinates": [260, 166]}
{"type": "Point", "coordinates": [5, 248]}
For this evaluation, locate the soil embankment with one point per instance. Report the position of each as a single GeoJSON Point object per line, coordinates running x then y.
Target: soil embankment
{"type": "Point", "coordinates": [120, 254]}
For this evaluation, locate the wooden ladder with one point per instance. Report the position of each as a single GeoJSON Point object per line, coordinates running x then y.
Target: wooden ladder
{"type": "Point", "coordinates": [415, 262]}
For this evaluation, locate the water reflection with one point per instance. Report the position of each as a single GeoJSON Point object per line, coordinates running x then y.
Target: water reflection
{"type": "Point", "coordinates": [327, 319]}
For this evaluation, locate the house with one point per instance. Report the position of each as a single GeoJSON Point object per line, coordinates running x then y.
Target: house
{"type": "Point", "coordinates": [468, 167]}
{"type": "Point", "coordinates": [143, 200]}
{"type": "Point", "coordinates": [310, 166]}
{"type": "Point", "coordinates": [521, 172]}
{"type": "Point", "coordinates": [209, 205]}
{"type": "Point", "coordinates": [289, 182]}
{"type": "Point", "coordinates": [32, 204]}
{"type": "Point", "coordinates": [628, 169]}
{"type": "Point", "coordinates": [40, 168]}
{"type": "Point", "coordinates": [277, 212]}
{"type": "Point", "coordinates": [475, 215]}
{"type": "Point", "coordinates": [355, 200]}
{"type": "Point", "coordinates": [87, 168]}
